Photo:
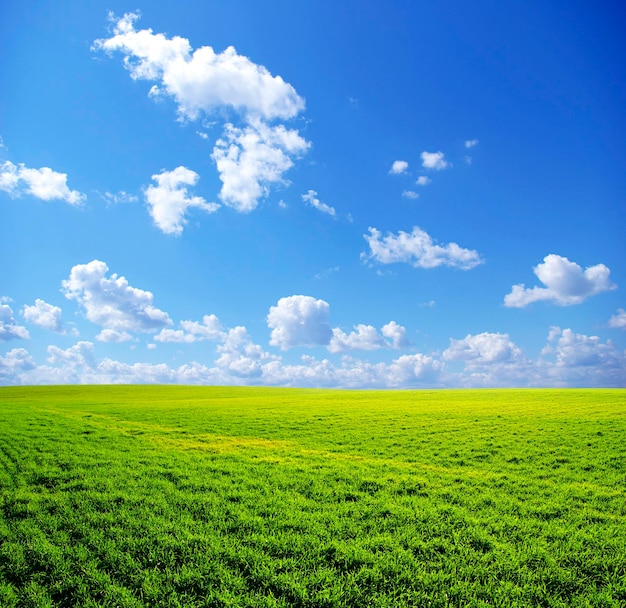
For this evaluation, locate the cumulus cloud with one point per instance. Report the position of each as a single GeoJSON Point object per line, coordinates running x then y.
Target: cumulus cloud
{"type": "Point", "coordinates": [410, 194]}
{"type": "Point", "coordinates": [114, 336]}
{"type": "Point", "coordinates": [618, 320]}
{"type": "Point", "coordinates": [581, 360]}
{"type": "Point", "coordinates": [14, 363]}
{"type": "Point", "coordinates": [566, 283]}
{"type": "Point", "coordinates": [398, 167]}
{"type": "Point", "coordinates": [43, 183]}
{"type": "Point", "coordinates": [79, 355]}
{"type": "Point", "coordinates": [118, 198]}
{"type": "Point", "coordinates": [365, 337]}
{"type": "Point", "coordinates": [396, 334]}
{"type": "Point", "coordinates": [201, 81]}
{"type": "Point", "coordinates": [9, 329]}
{"type": "Point", "coordinates": [193, 331]}
{"type": "Point", "coordinates": [434, 160]}
{"type": "Point", "coordinates": [204, 83]}
{"type": "Point", "coordinates": [168, 201]}
{"type": "Point", "coordinates": [484, 348]}
{"type": "Point", "coordinates": [111, 302]}
{"type": "Point", "coordinates": [240, 356]}
{"type": "Point", "coordinates": [311, 198]}
{"type": "Point", "coordinates": [422, 180]}
{"type": "Point", "coordinates": [251, 159]}
{"type": "Point", "coordinates": [299, 321]}
{"type": "Point", "coordinates": [418, 249]}
{"type": "Point", "coordinates": [45, 315]}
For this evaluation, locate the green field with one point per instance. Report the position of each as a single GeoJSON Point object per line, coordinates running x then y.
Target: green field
{"type": "Point", "coordinates": [144, 496]}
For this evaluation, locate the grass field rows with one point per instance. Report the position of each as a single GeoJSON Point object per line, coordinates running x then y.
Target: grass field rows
{"type": "Point", "coordinates": [142, 496]}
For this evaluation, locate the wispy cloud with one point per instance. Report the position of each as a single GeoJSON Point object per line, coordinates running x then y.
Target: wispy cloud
{"type": "Point", "coordinates": [311, 198]}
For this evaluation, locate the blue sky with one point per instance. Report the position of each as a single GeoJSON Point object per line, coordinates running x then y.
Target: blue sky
{"type": "Point", "coordinates": [355, 194]}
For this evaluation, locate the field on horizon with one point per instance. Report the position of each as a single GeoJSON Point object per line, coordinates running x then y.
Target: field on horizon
{"type": "Point", "coordinates": [177, 496]}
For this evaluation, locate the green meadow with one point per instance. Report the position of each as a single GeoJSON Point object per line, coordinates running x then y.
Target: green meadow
{"type": "Point", "coordinates": [155, 496]}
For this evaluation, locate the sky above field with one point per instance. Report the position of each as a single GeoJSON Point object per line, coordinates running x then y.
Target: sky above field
{"type": "Point", "coordinates": [346, 194]}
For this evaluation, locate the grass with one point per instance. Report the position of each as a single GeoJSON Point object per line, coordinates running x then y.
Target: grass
{"type": "Point", "coordinates": [149, 496]}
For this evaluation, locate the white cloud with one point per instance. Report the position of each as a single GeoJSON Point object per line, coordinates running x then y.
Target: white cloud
{"type": "Point", "coordinates": [112, 302]}
{"type": "Point", "coordinates": [240, 356]}
{"type": "Point", "coordinates": [434, 160]}
{"type": "Point", "coordinates": [411, 370]}
{"type": "Point", "coordinates": [43, 183]}
{"type": "Point", "coordinates": [410, 194]}
{"type": "Point", "coordinates": [396, 333]}
{"type": "Point", "coordinates": [13, 364]}
{"type": "Point", "coordinates": [201, 81]}
{"type": "Point", "coordinates": [79, 355]}
{"type": "Point", "coordinates": [44, 315]}
{"type": "Point", "coordinates": [398, 167]}
{"type": "Point", "coordinates": [422, 180]}
{"type": "Point", "coordinates": [484, 348]}
{"type": "Point", "coordinates": [192, 331]}
{"type": "Point", "coordinates": [418, 249]}
{"type": "Point", "coordinates": [311, 198]}
{"type": "Point", "coordinates": [470, 143]}
{"type": "Point", "coordinates": [618, 319]}
{"type": "Point", "coordinates": [299, 321]}
{"type": "Point", "coordinates": [9, 329]}
{"type": "Point", "coordinates": [488, 359]}
{"type": "Point", "coordinates": [566, 283]}
{"type": "Point", "coordinates": [114, 336]}
{"type": "Point", "coordinates": [251, 159]}
{"type": "Point", "coordinates": [365, 337]}
{"type": "Point", "coordinates": [168, 201]}
{"type": "Point", "coordinates": [581, 360]}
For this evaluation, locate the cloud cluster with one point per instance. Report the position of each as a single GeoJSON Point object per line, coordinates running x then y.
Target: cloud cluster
{"type": "Point", "coordinates": [566, 283]}
{"type": "Point", "coordinates": [482, 349]}
{"type": "Point", "coordinates": [579, 360]}
{"type": "Point", "coordinates": [193, 331]}
{"type": "Point", "coordinates": [43, 183]}
{"type": "Point", "coordinates": [398, 167]}
{"type": "Point", "coordinates": [9, 329]}
{"type": "Point", "coordinates": [618, 320]}
{"type": "Point", "coordinates": [168, 201]}
{"type": "Point", "coordinates": [418, 249]}
{"type": "Point", "coordinates": [487, 360]}
{"type": "Point", "coordinates": [111, 302]}
{"type": "Point", "coordinates": [367, 337]}
{"type": "Point", "coordinates": [303, 321]}
{"type": "Point", "coordinates": [249, 158]}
